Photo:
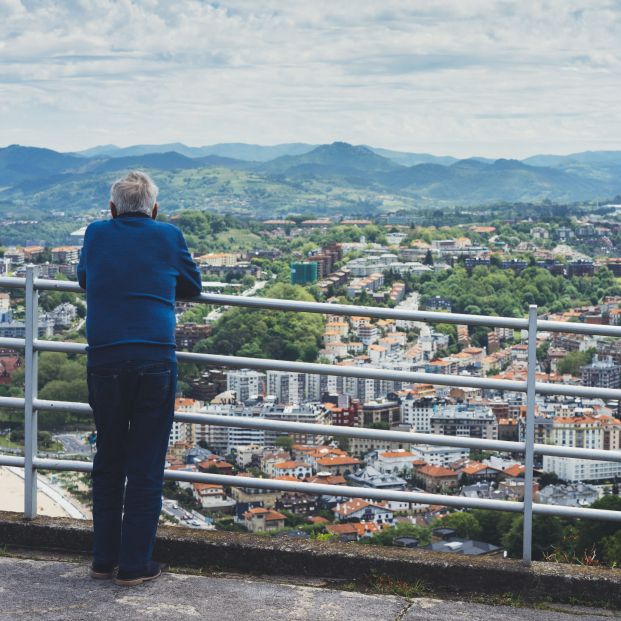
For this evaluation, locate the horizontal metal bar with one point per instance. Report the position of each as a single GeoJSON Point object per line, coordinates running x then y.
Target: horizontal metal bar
{"type": "Point", "coordinates": [544, 388]}
{"type": "Point", "coordinates": [59, 346]}
{"type": "Point", "coordinates": [395, 436]}
{"type": "Point", "coordinates": [352, 432]}
{"type": "Point", "coordinates": [12, 283]}
{"type": "Point", "coordinates": [557, 450]}
{"type": "Point", "coordinates": [349, 310]}
{"type": "Point", "coordinates": [12, 402]}
{"type": "Point", "coordinates": [72, 465]}
{"type": "Point", "coordinates": [10, 460]}
{"type": "Point", "coordinates": [239, 362]}
{"type": "Point", "coordinates": [319, 307]}
{"type": "Point", "coordinates": [577, 512]}
{"type": "Point", "coordinates": [266, 364]}
{"type": "Point", "coordinates": [11, 343]}
{"type": "Point", "coordinates": [335, 430]}
{"type": "Point", "coordinates": [351, 492]}
{"type": "Point", "coordinates": [64, 406]}
{"type": "Point", "coordinates": [572, 327]}
{"type": "Point", "coordinates": [47, 284]}
{"type": "Point", "coordinates": [309, 488]}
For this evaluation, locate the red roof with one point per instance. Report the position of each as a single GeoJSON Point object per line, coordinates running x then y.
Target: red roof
{"type": "Point", "coordinates": [338, 461]}
{"type": "Point", "coordinates": [437, 471]}
{"type": "Point", "coordinates": [268, 514]}
{"type": "Point", "coordinates": [351, 506]}
{"type": "Point", "coordinates": [517, 470]}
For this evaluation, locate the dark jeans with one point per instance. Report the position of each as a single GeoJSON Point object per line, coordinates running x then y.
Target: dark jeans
{"type": "Point", "coordinates": [133, 404]}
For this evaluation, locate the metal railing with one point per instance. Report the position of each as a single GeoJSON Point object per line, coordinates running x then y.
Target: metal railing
{"type": "Point", "coordinates": [31, 404]}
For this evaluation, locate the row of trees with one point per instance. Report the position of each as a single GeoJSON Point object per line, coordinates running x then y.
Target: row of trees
{"type": "Point", "coordinates": [494, 291]}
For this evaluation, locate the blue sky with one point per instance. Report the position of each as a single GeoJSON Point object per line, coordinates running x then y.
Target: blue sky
{"type": "Point", "coordinates": [459, 77]}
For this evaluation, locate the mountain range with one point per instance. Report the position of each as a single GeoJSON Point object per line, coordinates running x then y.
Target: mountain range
{"type": "Point", "coordinates": [303, 176]}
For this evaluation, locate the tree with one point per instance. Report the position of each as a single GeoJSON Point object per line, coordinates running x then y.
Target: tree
{"type": "Point", "coordinates": [428, 260]}
{"type": "Point", "coordinates": [387, 536]}
{"type": "Point", "coordinates": [465, 523]}
{"type": "Point", "coordinates": [494, 524]}
{"type": "Point", "coordinates": [547, 535]}
{"type": "Point", "coordinates": [284, 442]}
{"type": "Point", "coordinates": [573, 361]}
{"type": "Point", "coordinates": [612, 549]}
{"type": "Point", "coordinates": [344, 443]}
{"type": "Point", "coordinates": [268, 334]}
{"type": "Point", "coordinates": [548, 478]}
{"type": "Point", "coordinates": [592, 534]}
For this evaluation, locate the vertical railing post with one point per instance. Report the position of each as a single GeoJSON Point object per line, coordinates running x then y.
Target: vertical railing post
{"type": "Point", "coordinates": [529, 438]}
{"type": "Point", "coordinates": [31, 321]}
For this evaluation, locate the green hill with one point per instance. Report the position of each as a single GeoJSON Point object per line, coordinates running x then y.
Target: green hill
{"type": "Point", "coordinates": [335, 178]}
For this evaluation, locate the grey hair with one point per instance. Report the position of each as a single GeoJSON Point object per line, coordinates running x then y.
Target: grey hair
{"type": "Point", "coordinates": [135, 192]}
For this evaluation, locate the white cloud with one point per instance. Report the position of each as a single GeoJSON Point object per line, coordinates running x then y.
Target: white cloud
{"type": "Point", "coordinates": [486, 77]}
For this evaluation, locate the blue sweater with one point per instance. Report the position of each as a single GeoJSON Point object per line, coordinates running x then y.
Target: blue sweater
{"type": "Point", "coordinates": [133, 268]}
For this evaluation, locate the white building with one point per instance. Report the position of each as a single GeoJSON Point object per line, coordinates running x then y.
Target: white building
{"type": "Point", "coordinates": [224, 439]}
{"type": "Point", "coordinates": [294, 388]}
{"type": "Point", "coordinates": [593, 432]}
{"type": "Point", "coordinates": [394, 462]}
{"type": "Point", "coordinates": [298, 469]}
{"type": "Point", "coordinates": [246, 383]}
{"type": "Point", "coordinates": [184, 432]}
{"type": "Point", "coordinates": [417, 412]}
{"type": "Point", "coordinates": [576, 470]}
{"type": "Point", "coordinates": [439, 455]}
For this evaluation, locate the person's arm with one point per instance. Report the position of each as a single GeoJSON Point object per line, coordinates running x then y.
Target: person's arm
{"type": "Point", "coordinates": [81, 271]}
{"type": "Point", "coordinates": [189, 283]}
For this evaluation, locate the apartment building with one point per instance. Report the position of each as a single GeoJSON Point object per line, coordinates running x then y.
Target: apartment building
{"type": "Point", "coordinates": [593, 432]}
{"type": "Point", "coordinates": [466, 421]}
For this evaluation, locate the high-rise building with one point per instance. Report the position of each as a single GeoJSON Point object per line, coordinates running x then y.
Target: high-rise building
{"type": "Point", "coordinates": [602, 373]}
{"type": "Point", "coordinates": [302, 273]}
{"type": "Point", "coordinates": [465, 421]}
{"type": "Point", "coordinates": [246, 383]}
{"type": "Point", "coordinates": [601, 432]}
{"type": "Point", "coordinates": [418, 411]}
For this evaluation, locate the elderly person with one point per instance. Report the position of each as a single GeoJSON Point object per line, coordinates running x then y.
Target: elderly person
{"type": "Point", "coordinates": [133, 268]}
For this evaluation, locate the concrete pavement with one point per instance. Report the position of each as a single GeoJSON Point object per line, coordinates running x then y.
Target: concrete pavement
{"type": "Point", "coordinates": [61, 591]}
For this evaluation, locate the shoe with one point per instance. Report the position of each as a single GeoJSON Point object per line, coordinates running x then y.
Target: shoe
{"type": "Point", "coordinates": [102, 571]}
{"type": "Point", "coordinates": [132, 578]}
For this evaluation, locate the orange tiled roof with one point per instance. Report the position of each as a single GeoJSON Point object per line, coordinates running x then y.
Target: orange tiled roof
{"type": "Point", "coordinates": [437, 471]}
{"type": "Point", "coordinates": [318, 519]}
{"type": "Point", "coordinates": [390, 454]}
{"type": "Point", "coordinates": [515, 471]}
{"type": "Point", "coordinates": [351, 506]}
{"type": "Point", "coordinates": [332, 479]}
{"type": "Point", "coordinates": [358, 528]}
{"type": "Point", "coordinates": [285, 465]}
{"type": "Point", "coordinates": [200, 486]}
{"type": "Point", "coordinates": [338, 461]}
{"type": "Point", "coordinates": [269, 514]}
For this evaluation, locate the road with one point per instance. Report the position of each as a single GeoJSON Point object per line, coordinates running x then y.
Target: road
{"type": "Point", "coordinates": [74, 443]}
{"type": "Point", "coordinates": [216, 313]}
{"type": "Point", "coordinates": [191, 519]}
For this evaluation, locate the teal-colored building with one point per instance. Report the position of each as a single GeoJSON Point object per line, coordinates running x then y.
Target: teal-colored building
{"type": "Point", "coordinates": [302, 273]}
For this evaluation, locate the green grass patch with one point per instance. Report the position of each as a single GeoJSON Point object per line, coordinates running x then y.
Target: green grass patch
{"type": "Point", "coordinates": [6, 443]}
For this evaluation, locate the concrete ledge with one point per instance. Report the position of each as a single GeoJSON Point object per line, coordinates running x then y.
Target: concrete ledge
{"type": "Point", "coordinates": [432, 573]}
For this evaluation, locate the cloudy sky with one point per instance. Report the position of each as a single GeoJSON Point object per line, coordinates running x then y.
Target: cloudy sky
{"type": "Point", "coordinates": [458, 77]}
